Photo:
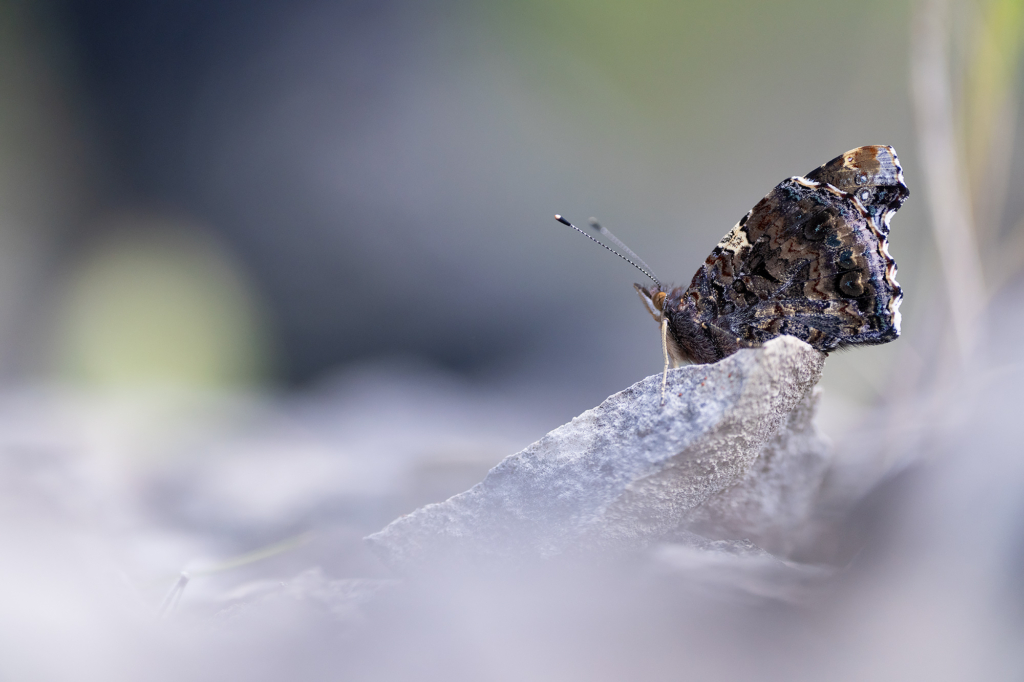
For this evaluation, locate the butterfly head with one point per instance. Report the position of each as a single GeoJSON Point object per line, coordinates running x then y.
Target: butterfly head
{"type": "Point", "coordinates": [658, 302]}
{"type": "Point", "coordinates": [653, 298]}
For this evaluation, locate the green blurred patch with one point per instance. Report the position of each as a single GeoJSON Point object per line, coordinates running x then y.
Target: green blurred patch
{"type": "Point", "coordinates": [669, 56]}
{"type": "Point", "coordinates": [160, 307]}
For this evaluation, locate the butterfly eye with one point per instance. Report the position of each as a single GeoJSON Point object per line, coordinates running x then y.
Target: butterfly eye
{"type": "Point", "coordinates": [659, 300]}
{"type": "Point", "coordinates": [816, 228]}
{"type": "Point", "coordinates": [850, 284]}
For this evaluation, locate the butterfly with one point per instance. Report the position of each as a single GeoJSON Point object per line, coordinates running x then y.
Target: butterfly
{"type": "Point", "coordinates": [810, 260]}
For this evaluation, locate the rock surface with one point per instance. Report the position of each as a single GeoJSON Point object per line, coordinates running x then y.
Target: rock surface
{"type": "Point", "coordinates": [771, 505]}
{"type": "Point", "coordinates": [731, 453]}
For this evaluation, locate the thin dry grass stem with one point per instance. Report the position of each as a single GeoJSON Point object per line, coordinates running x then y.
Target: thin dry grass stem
{"type": "Point", "coordinates": [173, 597]}
{"type": "Point", "coordinates": [946, 187]}
{"type": "Point", "coordinates": [967, 144]}
{"type": "Point", "coordinates": [989, 113]}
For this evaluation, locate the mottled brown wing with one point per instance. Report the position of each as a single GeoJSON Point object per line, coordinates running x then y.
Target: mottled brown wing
{"type": "Point", "coordinates": [810, 260]}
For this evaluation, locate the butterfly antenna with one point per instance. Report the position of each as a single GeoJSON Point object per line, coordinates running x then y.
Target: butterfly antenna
{"type": "Point", "coordinates": [643, 270]}
{"type": "Point", "coordinates": [611, 237]}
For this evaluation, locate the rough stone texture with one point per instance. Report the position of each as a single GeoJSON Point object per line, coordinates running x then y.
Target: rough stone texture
{"type": "Point", "coordinates": [632, 472]}
{"type": "Point", "coordinates": [771, 504]}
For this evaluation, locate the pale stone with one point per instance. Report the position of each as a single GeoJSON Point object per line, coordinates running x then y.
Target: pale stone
{"type": "Point", "coordinates": [731, 452]}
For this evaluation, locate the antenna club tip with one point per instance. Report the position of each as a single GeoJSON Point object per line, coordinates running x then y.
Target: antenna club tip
{"type": "Point", "coordinates": [562, 220]}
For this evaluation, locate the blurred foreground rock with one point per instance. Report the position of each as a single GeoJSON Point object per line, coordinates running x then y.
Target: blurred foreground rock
{"type": "Point", "coordinates": [732, 455]}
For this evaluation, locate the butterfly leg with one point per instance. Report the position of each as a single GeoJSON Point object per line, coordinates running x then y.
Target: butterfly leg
{"type": "Point", "coordinates": [664, 349]}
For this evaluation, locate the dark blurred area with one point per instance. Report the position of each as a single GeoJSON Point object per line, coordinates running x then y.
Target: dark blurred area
{"type": "Point", "coordinates": [299, 133]}
{"type": "Point", "coordinates": [339, 152]}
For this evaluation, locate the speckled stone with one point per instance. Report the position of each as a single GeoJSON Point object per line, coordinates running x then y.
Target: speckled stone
{"type": "Point", "coordinates": [731, 452]}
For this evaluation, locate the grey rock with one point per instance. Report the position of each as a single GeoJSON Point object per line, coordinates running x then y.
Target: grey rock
{"type": "Point", "coordinates": [632, 471]}
{"type": "Point", "coordinates": [772, 504]}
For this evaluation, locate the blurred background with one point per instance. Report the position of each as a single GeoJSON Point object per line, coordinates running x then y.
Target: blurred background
{"type": "Point", "coordinates": [269, 267]}
{"type": "Point", "coordinates": [261, 193]}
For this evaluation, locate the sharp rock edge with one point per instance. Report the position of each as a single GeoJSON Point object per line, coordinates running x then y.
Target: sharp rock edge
{"type": "Point", "coordinates": [732, 454]}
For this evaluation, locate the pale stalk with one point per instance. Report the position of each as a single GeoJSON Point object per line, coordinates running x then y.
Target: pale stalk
{"type": "Point", "coordinates": [944, 182]}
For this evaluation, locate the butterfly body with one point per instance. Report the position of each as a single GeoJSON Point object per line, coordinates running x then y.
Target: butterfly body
{"type": "Point", "coordinates": [809, 260]}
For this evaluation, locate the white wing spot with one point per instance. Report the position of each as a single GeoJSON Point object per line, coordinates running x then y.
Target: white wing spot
{"type": "Point", "coordinates": [805, 182]}
{"type": "Point", "coordinates": [735, 240]}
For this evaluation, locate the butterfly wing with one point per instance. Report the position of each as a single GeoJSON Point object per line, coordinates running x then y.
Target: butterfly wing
{"type": "Point", "coordinates": [871, 174]}
{"type": "Point", "coordinates": [810, 260]}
